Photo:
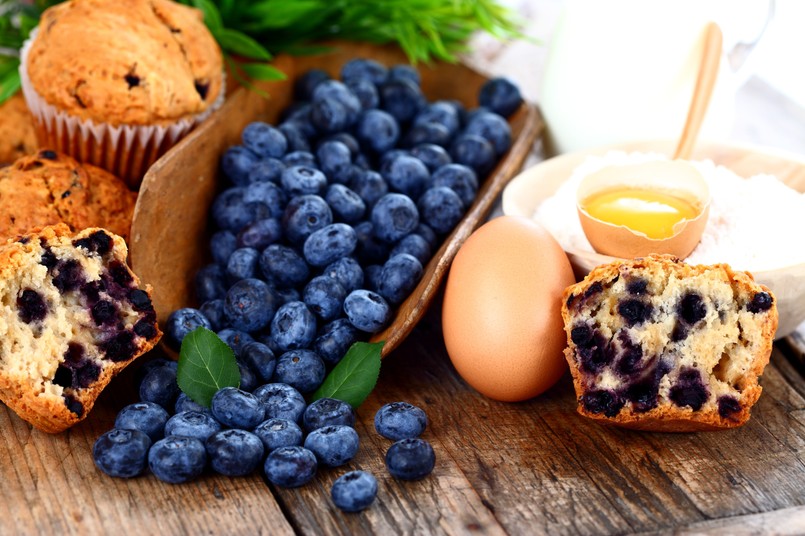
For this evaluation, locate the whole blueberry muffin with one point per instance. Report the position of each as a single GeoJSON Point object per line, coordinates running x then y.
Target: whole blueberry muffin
{"type": "Point", "coordinates": [49, 188]}
{"type": "Point", "coordinates": [74, 316]}
{"type": "Point", "coordinates": [117, 83]}
{"type": "Point", "coordinates": [17, 133]}
{"type": "Point", "coordinates": [657, 344]}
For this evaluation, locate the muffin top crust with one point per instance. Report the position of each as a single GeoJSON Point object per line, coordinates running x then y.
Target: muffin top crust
{"type": "Point", "coordinates": [133, 62]}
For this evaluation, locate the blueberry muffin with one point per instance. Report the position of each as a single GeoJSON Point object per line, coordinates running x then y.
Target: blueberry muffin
{"type": "Point", "coordinates": [117, 83]}
{"type": "Point", "coordinates": [657, 344]}
{"type": "Point", "coordinates": [17, 134]}
{"type": "Point", "coordinates": [49, 188]}
{"type": "Point", "coordinates": [74, 316]}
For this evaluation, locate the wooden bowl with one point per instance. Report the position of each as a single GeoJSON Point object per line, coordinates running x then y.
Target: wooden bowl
{"type": "Point", "coordinates": [170, 231]}
{"type": "Point", "coordinates": [529, 189]}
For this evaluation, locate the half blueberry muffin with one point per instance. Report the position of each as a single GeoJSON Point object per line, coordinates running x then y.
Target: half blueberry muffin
{"type": "Point", "coordinates": [657, 344]}
{"type": "Point", "coordinates": [73, 316]}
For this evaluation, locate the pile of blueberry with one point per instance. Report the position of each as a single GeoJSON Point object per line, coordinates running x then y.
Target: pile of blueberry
{"type": "Point", "coordinates": [271, 427]}
{"type": "Point", "coordinates": [329, 217]}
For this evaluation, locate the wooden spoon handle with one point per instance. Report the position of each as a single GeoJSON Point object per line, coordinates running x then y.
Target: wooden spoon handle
{"type": "Point", "coordinates": [705, 82]}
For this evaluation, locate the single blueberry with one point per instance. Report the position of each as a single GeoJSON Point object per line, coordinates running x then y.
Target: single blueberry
{"type": "Point", "coordinates": [237, 162]}
{"type": "Point", "coordinates": [762, 301]}
{"type": "Point", "coordinates": [372, 276]}
{"type": "Point", "coordinates": [428, 234]}
{"type": "Point", "coordinates": [354, 491]}
{"type": "Point", "coordinates": [283, 266]}
{"type": "Point", "coordinates": [325, 297]}
{"type": "Point", "coordinates": [407, 175]}
{"type": "Point", "coordinates": [236, 408]}
{"type": "Point", "coordinates": [121, 453]}
{"type": "Point", "coordinates": [300, 158]}
{"type": "Point", "coordinates": [181, 322]}
{"type": "Point", "coordinates": [728, 406]}
{"type": "Point", "coordinates": [329, 244]}
{"type": "Point", "coordinates": [347, 271]}
{"type": "Point", "coordinates": [234, 452]}
{"type": "Point", "coordinates": [210, 282]}
{"type": "Point", "coordinates": [334, 339]}
{"type": "Point", "coordinates": [267, 170]}
{"type": "Point", "coordinates": [378, 131]}
{"type": "Point", "coordinates": [197, 424]}
{"type": "Point", "coordinates": [235, 339]}
{"type": "Point", "coordinates": [474, 152]}
{"type": "Point", "coordinates": [185, 403]}
{"type": "Point", "coordinates": [293, 326]}
{"type": "Point", "coordinates": [370, 186]}
{"type": "Point", "coordinates": [602, 401]}
{"type": "Point", "coordinates": [264, 140]}
{"type": "Point", "coordinates": [340, 93]}
{"type": "Point", "coordinates": [242, 264]}
{"type": "Point", "coordinates": [346, 205]}
{"type": "Point", "coordinates": [222, 244]}
{"type": "Point", "coordinates": [410, 459]}
{"type": "Point", "coordinates": [458, 178]}
{"type": "Point", "coordinates": [277, 433]}
{"type": "Point", "coordinates": [441, 208]}
{"type": "Point", "coordinates": [493, 128]}
{"type": "Point", "coordinates": [430, 133]}
{"type": "Point", "coordinates": [250, 305]}
{"type": "Point", "coordinates": [288, 294]}
{"type": "Point", "coordinates": [147, 417]}
{"type": "Point", "coordinates": [370, 249]}
{"type": "Point", "coordinates": [399, 276]}
{"type": "Point", "coordinates": [159, 386]}
{"type": "Point", "coordinates": [364, 69]}
{"type": "Point", "coordinates": [347, 139]}
{"type": "Point", "coordinates": [433, 156]}
{"type": "Point", "coordinates": [260, 359]}
{"type": "Point", "coordinates": [402, 99]}
{"type": "Point", "coordinates": [329, 115]}
{"type": "Point", "coordinates": [404, 72]}
{"type": "Point", "coordinates": [290, 467]}
{"type": "Point", "coordinates": [295, 135]}
{"type": "Point", "coordinates": [394, 216]}
{"type": "Point", "coordinates": [268, 194]}
{"type": "Point", "coordinates": [304, 215]}
{"type": "Point", "coordinates": [333, 445]}
{"type": "Point", "coordinates": [335, 159]}
{"type": "Point", "coordinates": [367, 310]}
{"type": "Point", "coordinates": [281, 401]}
{"type": "Point", "coordinates": [260, 234]}
{"type": "Point", "coordinates": [301, 369]}
{"type": "Point", "coordinates": [147, 366]}
{"type": "Point", "coordinates": [366, 92]}
{"type": "Point", "coordinates": [689, 389]}
{"type": "Point", "coordinates": [177, 459]}
{"type": "Point", "coordinates": [442, 113]}
{"type": "Point", "coordinates": [301, 180]}
{"type": "Point", "coordinates": [327, 412]}
{"type": "Point", "coordinates": [634, 311]}
{"type": "Point", "coordinates": [307, 82]}
{"type": "Point", "coordinates": [400, 420]}
{"type": "Point", "coordinates": [248, 377]}
{"type": "Point", "coordinates": [413, 245]}
{"type": "Point", "coordinates": [501, 96]}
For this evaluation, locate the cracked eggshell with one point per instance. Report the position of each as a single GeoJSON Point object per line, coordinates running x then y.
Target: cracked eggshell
{"type": "Point", "coordinates": [672, 176]}
{"type": "Point", "coordinates": [501, 316]}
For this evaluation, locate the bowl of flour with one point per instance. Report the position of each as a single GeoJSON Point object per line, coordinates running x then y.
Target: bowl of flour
{"type": "Point", "coordinates": [757, 212]}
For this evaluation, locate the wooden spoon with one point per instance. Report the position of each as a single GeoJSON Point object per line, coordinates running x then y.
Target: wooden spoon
{"type": "Point", "coordinates": [705, 82]}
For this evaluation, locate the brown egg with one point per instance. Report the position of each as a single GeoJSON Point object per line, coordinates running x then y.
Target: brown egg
{"type": "Point", "coordinates": [501, 317]}
{"type": "Point", "coordinates": [659, 206]}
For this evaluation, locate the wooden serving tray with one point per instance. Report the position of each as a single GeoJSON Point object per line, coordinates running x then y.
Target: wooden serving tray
{"type": "Point", "coordinates": [170, 232]}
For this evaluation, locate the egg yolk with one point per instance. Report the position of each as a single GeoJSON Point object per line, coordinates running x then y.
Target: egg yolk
{"type": "Point", "coordinates": [651, 212]}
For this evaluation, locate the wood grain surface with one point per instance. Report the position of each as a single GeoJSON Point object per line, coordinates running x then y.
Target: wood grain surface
{"type": "Point", "coordinates": [535, 467]}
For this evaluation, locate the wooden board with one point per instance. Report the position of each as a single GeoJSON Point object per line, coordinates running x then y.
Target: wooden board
{"type": "Point", "coordinates": [528, 468]}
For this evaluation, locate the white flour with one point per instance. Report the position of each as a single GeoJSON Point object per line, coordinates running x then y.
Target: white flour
{"type": "Point", "coordinates": [755, 224]}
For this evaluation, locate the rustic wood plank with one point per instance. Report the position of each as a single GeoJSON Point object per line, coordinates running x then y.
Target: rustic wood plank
{"type": "Point", "coordinates": [781, 522]}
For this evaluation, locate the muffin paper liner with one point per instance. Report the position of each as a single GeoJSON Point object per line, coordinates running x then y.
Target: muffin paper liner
{"type": "Point", "coordinates": [126, 151]}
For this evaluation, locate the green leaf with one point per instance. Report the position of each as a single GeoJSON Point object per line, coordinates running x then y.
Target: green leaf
{"type": "Point", "coordinates": [261, 71]}
{"type": "Point", "coordinates": [212, 17]}
{"type": "Point", "coordinates": [355, 376]}
{"type": "Point", "coordinates": [206, 364]}
{"type": "Point", "coordinates": [241, 44]}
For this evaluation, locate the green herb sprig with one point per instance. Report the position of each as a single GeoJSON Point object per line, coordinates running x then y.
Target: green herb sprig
{"type": "Point", "coordinates": [251, 32]}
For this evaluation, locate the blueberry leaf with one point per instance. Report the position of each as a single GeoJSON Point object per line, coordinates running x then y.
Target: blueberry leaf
{"type": "Point", "coordinates": [354, 377]}
{"type": "Point", "coordinates": [206, 364]}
